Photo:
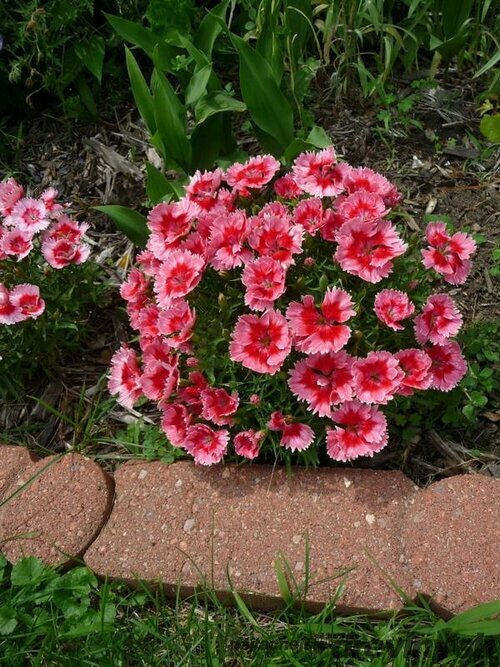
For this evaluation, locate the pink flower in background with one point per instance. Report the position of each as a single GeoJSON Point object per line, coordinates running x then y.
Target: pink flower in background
{"type": "Point", "coordinates": [247, 443]}
{"type": "Point", "coordinates": [66, 229]}
{"type": "Point", "coordinates": [9, 313]}
{"type": "Point", "coordinates": [361, 206]}
{"type": "Point", "coordinates": [175, 420]}
{"type": "Point", "coordinates": [448, 365]}
{"type": "Point", "coordinates": [317, 329]}
{"type": "Point", "coordinates": [294, 436]}
{"type": "Point", "coordinates": [309, 215]}
{"type": "Point", "coordinates": [206, 445]}
{"type": "Point", "coordinates": [254, 173]}
{"type": "Point", "coordinates": [27, 298]}
{"type": "Point", "coordinates": [17, 243]}
{"type": "Point", "coordinates": [276, 238]}
{"type": "Point", "coordinates": [176, 323]}
{"type": "Point", "coordinates": [228, 236]}
{"type": "Point", "coordinates": [218, 405]}
{"type": "Point", "coordinates": [392, 306]}
{"type": "Point", "coordinates": [362, 432]}
{"type": "Point", "coordinates": [125, 377]}
{"type": "Point", "coordinates": [366, 249]}
{"type": "Point", "coordinates": [60, 253]}
{"type": "Point", "coordinates": [318, 174]}
{"type": "Point", "coordinates": [178, 275]}
{"type": "Point", "coordinates": [362, 179]}
{"type": "Point", "coordinates": [10, 193]}
{"type": "Point", "coordinates": [448, 255]}
{"type": "Point", "coordinates": [322, 380]}
{"type": "Point", "coordinates": [287, 188]}
{"type": "Point", "coordinates": [261, 343]}
{"type": "Point", "coordinates": [28, 215]}
{"type": "Point", "coordinates": [415, 365]}
{"type": "Point", "coordinates": [440, 319]}
{"type": "Point", "coordinates": [377, 377]}
{"type": "Point", "coordinates": [265, 282]}
{"type": "Point", "coordinates": [160, 378]}
{"type": "Point", "coordinates": [202, 189]}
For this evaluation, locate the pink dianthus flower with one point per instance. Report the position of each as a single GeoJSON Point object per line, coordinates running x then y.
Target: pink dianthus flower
{"type": "Point", "coordinates": [265, 282]}
{"type": "Point", "coordinates": [261, 343]}
{"type": "Point", "coordinates": [392, 306]}
{"type": "Point", "coordinates": [28, 215]}
{"type": "Point", "coordinates": [318, 174]}
{"type": "Point", "coordinates": [228, 236]}
{"type": "Point", "coordinates": [362, 432]}
{"type": "Point", "coordinates": [254, 173]}
{"type": "Point", "coordinates": [377, 377]}
{"type": "Point", "coordinates": [448, 365]}
{"type": "Point", "coordinates": [125, 377]}
{"type": "Point", "coordinates": [175, 422]}
{"type": "Point", "coordinates": [178, 275]}
{"type": "Point", "coordinates": [18, 243]}
{"type": "Point", "coordinates": [415, 365]}
{"type": "Point", "coordinates": [276, 238]}
{"type": "Point", "coordinates": [27, 298]}
{"type": "Point", "coordinates": [206, 445]}
{"type": "Point", "coordinates": [10, 193]}
{"type": "Point", "coordinates": [448, 255]}
{"type": "Point", "coordinates": [295, 436]}
{"type": "Point", "coordinates": [440, 319]}
{"type": "Point", "coordinates": [218, 405]}
{"type": "Point", "coordinates": [247, 443]}
{"type": "Point", "coordinates": [9, 313]}
{"type": "Point", "coordinates": [202, 189]}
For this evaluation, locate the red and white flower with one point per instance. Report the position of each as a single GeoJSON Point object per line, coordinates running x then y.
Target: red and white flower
{"type": "Point", "coordinates": [448, 255]}
{"type": "Point", "coordinates": [27, 298]}
{"type": "Point", "coordinates": [206, 445]}
{"type": "Point", "coordinates": [448, 365]}
{"type": "Point", "coordinates": [362, 432]}
{"type": "Point", "coordinates": [125, 377]}
{"type": "Point", "coordinates": [17, 243]}
{"type": "Point", "coordinates": [377, 377]}
{"type": "Point", "coordinates": [294, 436]}
{"type": "Point", "coordinates": [28, 215]}
{"type": "Point", "coordinates": [265, 282]}
{"type": "Point", "coordinates": [392, 306]}
{"type": "Point", "coordinates": [177, 276]}
{"type": "Point", "coordinates": [247, 443]}
{"type": "Point", "coordinates": [254, 173]}
{"type": "Point", "coordinates": [218, 406]}
{"type": "Point", "coordinates": [318, 174]}
{"type": "Point", "coordinates": [261, 343]}
{"type": "Point", "coordinates": [10, 193]}
{"type": "Point", "coordinates": [415, 365]}
{"type": "Point", "coordinates": [440, 319]}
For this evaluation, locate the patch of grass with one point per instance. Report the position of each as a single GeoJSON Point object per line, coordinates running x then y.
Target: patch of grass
{"type": "Point", "coordinates": [48, 617]}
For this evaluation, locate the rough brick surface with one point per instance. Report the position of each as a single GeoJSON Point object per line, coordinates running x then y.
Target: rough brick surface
{"type": "Point", "coordinates": [451, 537]}
{"type": "Point", "coordinates": [12, 461]}
{"type": "Point", "coordinates": [181, 524]}
{"type": "Point", "coordinates": [59, 512]}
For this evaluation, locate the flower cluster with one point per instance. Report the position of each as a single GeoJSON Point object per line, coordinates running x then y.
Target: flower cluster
{"type": "Point", "coordinates": [25, 223]}
{"type": "Point", "coordinates": [255, 282]}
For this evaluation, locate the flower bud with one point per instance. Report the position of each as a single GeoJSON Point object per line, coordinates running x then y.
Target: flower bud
{"type": "Point", "coordinates": [323, 283]}
{"type": "Point", "coordinates": [309, 261]}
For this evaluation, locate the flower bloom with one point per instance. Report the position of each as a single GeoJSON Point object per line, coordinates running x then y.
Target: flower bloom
{"type": "Point", "coordinates": [287, 188]}
{"type": "Point", "coordinates": [318, 173]}
{"type": "Point", "coordinates": [66, 229]}
{"type": "Point", "coordinates": [362, 432]}
{"type": "Point", "coordinates": [60, 253]}
{"type": "Point", "coordinates": [17, 243]}
{"type": "Point", "coordinates": [206, 445]}
{"type": "Point", "coordinates": [28, 215]}
{"type": "Point", "coordinates": [168, 223]}
{"type": "Point", "coordinates": [265, 282]}
{"type": "Point", "coordinates": [377, 377]}
{"type": "Point", "coordinates": [448, 365]}
{"type": "Point", "coordinates": [317, 329]}
{"type": "Point", "coordinates": [10, 193]}
{"type": "Point", "coordinates": [276, 238]}
{"type": "Point", "coordinates": [178, 275]}
{"type": "Point", "coordinates": [361, 206]}
{"type": "Point", "coordinates": [366, 249]}
{"type": "Point", "coordinates": [322, 380]}
{"type": "Point", "coordinates": [202, 189]}
{"type": "Point", "coordinates": [218, 405]}
{"type": "Point", "coordinates": [247, 443]}
{"type": "Point", "coordinates": [134, 289]}
{"type": "Point", "coordinates": [440, 319]}
{"type": "Point", "coordinates": [160, 377]}
{"type": "Point", "coordinates": [27, 298]}
{"type": "Point", "coordinates": [392, 306]}
{"type": "Point", "coordinates": [448, 255]}
{"type": "Point", "coordinates": [261, 343]}
{"type": "Point", "coordinates": [176, 323]}
{"type": "Point", "coordinates": [175, 421]}
{"type": "Point", "coordinates": [9, 313]}
{"type": "Point", "coordinates": [254, 173]}
{"type": "Point", "coordinates": [309, 215]}
{"type": "Point", "coordinates": [362, 179]}
{"type": "Point", "coordinates": [125, 377]}
{"type": "Point", "coordinates": [228, 235]}
{"type": "Point", "coordinates": [415, 365]}
{"type": "Point", "coordinates": [295, 436]}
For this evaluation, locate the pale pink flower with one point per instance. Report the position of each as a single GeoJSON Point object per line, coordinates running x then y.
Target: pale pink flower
{"type": "Point", "coordinates": [317, 328]}
{"type": "Point", "coordinates": [265, 282]}
{"type": "Point", "coordinates": [9, 313]}
{"type": "Point", "coordinates": [174, 422]}
{"type": "Point", "coordinates": [49, 197]}
{"type": "Point", "coordinates": [10, 193]}
{"type": "Point", "coordinates": [247, 443]}
{"type": "Point", "coordinates": [28, 215]}
{"type": "Point", "coordinates": [440, 319]}
{"type": "Point", "coordinates": [318, 173]}
{"type": "Point", "coordinates": [27, 298]}
{"type": "Point", "coordinates": [261, 343]}
{"type": "Point", "coordinates": [218, 405]}
{"type": "Point", "coordinates": [206, 445]}
{"type": "Point", "coordinates": [125, 377]}
{"type": "Point", "coordinates": [448, 365]}
{"type": "Point", "coordinates": [377, 377]}
{"type": "Point", "coordinates": [362, 179]}
{"type": "Point", "coordinates": [392, 306]}
{"type": "Point", "coordinates": [254, 173]}
{"type": "Point", "coordinates": [448, 255]}
{"type": "Point", "coordinates": [362, 432]}
{"type": "Point", "coordinates": [67, 229]}
{"type": "Point", "coordinates": [60, 253]}
{"type": "Point", "coordinates": [178, 275]}
{"type": "Point", "coordinates": [322, 380]}
{"type": "Point", "coordinates": [17, 243]}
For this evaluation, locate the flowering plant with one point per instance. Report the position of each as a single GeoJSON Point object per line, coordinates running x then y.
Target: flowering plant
{"type": "Point", "coordinates": [258, 308]}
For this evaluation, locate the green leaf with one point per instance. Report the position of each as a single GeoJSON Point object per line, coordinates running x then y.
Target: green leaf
{"type": "Point", "coordinates": [490, 127]}
{"type": "Point", "coordinates": [134, 33]}
{"type": "Point", "coordinates": [216, 103]}
{"type": "Point", "coordinates": [157, 188]}
{"type": "Point", "coordinates": [210, 28]}
{"type": "Point", "coordinates": [197, 85]}
{"type": "Point", "coordinates": [140, 90]}
{"type": "Point", "coordinates": [170, 120]}
{"type": "Point", "coordinates": [27, 571]}
{"type": "Point", "coordinates": [487, 66]}
{"type": "Point", "coordinates": [454, 14]}
{"type": "Point", "coordinates": [298, 20]}
{"type": "Point", "coordinates": [477, 620]}
{"type": "Point", "coordinates": [91, 55]}
{"type": "Point", "coordinates": [8, 620]}
{"type": "Point", "coordinates": [318, 137]}
{"type": "Point", "coordinates": [268, 107]}
{"type": "Point", "coordinates": [207, 140]}
{"type": "Point", "coordinates": [131, 223]}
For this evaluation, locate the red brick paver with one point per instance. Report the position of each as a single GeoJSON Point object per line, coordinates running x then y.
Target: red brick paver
{"type": "Point", "coordinates": [183, 524]}
{"type": "Point", "coordinates": [12, 460]}
{"type": "Point", "coordinates": [451, 536]}
{"type": "Point", "coordinates": [59, 512]}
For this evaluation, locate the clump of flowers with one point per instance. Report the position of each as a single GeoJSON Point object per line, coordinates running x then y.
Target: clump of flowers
{"type": "Point", "coordinates": [29, 228]}
{"type": "Point", "coordinates": [286, 309]}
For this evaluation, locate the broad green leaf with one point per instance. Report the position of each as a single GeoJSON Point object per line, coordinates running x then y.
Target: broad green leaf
{"type": "Point", "coordinates": [134, 33]}
{"type": "Point", "coordinates": [490, 128]}
{"type": "Point", "coordinates": [8, 620]}
{"type": "Point", "coordinates": [454, 14]}
{"type": "Point", "coordinates": [157, 187]}
{"type": "Point", "coordinates": [210, 28]}
{"type": "Point", "coordinates": [91, 55]}
{"type": "Point", "coordinates": [131, 223]}
{"type": "Point", "coordinates": [86, 94]}
{"type": "Point", "coordinates": [269, 43]}
{"type": "Point", "coordinates": [318, 137]}
{"type": "Point", "coordinates": [141, 92]}
{"type": "Point", "coordinates": [268, 107]}
{"type": "Point", "coordinates": [171, 127]}
{"type": "Point", "coordinates": [27, 571]}
{"type": "Point", "coordinates": [216, 103]}
{"type": "Point", "coordinates": [207, 140]}
{"type": "Point", "coordinates": [197, 85]}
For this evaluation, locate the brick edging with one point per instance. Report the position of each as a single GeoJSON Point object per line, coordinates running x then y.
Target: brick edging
{"type": "Point", "coordinates": [180, 525]}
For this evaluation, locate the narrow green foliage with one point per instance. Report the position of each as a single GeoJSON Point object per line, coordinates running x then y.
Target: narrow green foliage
{"type": "Point", "coordinates": [131, 223]}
